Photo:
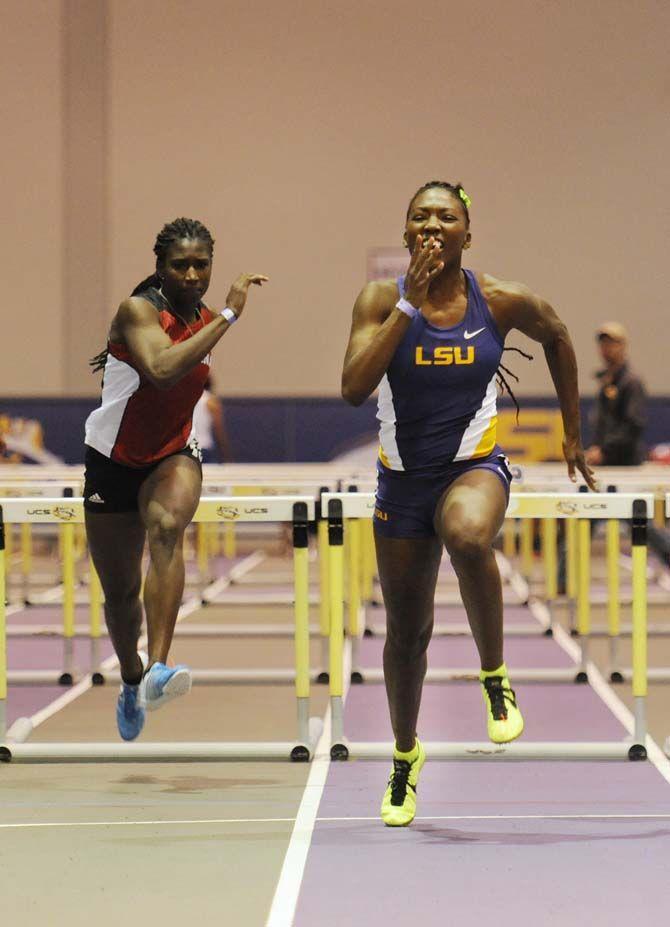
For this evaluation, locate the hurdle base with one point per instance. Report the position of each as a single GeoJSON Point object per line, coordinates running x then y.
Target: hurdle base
{"type": "Point", "coordinates": [637, 752]}
{"type": "Point", "coordinates": [196, 752]}
{"type": "Point", "coordinates": [553, 751]}
{"type": "Point", "coordinates": [654, 674]}
{"type": "Point", "coordinates": [305, 751]}
{"type": "Point", "coordinates": [339, 752]}
{"type": "Point", "coordinates": [518, 675]}
{"type": "Point", "coordinates": [239, 677]}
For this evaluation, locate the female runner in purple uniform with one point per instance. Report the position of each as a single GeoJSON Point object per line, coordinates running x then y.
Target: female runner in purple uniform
{"type": "Point", "coordinates": [432, 343]}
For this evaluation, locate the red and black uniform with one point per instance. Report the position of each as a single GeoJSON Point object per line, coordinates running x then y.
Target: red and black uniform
{"type": "Point", "coordinates": [138, 425]}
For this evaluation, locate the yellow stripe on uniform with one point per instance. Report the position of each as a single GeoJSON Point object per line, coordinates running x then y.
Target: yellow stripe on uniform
{"type": "Point", "coordinates": [384, 459]}
{"type": "Point", "coordinates": [488, 439]}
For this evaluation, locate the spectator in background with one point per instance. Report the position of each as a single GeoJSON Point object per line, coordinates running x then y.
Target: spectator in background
{"type": "Point", "coordinates": [620, 417]}
{"type": "Point", "coordinates": [621, 406]}
{"type": "Point", "coordinates": [210, 427]}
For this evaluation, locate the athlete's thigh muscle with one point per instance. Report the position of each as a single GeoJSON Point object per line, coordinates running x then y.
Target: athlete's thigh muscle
{"type": "Point", "coordinates": [172, 489]}
{"type": "Point", "coordinates": [472, 509]}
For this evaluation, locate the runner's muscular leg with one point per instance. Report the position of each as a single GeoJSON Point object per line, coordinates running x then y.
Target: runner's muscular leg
{"type": "Point", "coordinates": [116, 542]}
{"type": "Point", "coordinates": [408, 574]}
{"type": "Point", "coordinates": [467, 518]}
{"type": "Point", "coordinates": [167, 501]}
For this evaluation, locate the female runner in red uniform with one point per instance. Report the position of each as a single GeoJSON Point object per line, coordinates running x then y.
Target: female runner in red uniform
{"type": "Point", "coordinates": [143, 471]}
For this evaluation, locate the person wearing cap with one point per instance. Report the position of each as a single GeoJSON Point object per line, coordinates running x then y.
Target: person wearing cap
{"type": "Point", "coordinates": [620, 412]}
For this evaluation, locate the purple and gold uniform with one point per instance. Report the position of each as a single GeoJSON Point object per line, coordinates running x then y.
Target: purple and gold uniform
{"type": "Point", "coordinates": [437, 413]}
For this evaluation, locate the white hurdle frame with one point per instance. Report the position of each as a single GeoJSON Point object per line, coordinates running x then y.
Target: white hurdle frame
{"type": "Point", "coordinates": [632, 506]}
{"type": "Point", "coordinates": [297, 510]}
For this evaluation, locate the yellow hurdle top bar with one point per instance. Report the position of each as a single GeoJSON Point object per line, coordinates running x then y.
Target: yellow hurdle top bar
{"type": "Point", "coordinates": [228, 509]}
{"type": "Point", "coordinates": [523, 504]}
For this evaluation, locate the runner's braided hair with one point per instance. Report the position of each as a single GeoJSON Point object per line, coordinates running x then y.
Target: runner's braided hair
{"type": "Point", "coordinates": [170, 233]}
{"type": "Point", "coordinates": [466, 202]}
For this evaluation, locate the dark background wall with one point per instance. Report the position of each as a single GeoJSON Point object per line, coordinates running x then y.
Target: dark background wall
{"type": "Point", "coordinates": [288, 429]}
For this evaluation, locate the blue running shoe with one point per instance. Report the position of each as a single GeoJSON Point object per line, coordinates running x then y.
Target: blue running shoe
{"type": "Point", "coordinates": [129, 711]}
{"type": "Point", "coordinates": [163, 683]}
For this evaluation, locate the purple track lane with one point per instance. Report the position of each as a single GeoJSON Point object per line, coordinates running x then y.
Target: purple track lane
{"type": "Point", "coordinates": [544, 843]}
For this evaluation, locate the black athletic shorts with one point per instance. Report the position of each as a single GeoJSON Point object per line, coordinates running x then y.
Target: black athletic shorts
{"type": "Point", "coordinates": [111, 487]}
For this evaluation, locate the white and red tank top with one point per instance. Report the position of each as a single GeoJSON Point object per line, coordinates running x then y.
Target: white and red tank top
{"type": "Point", "coordinates": [138, 424]}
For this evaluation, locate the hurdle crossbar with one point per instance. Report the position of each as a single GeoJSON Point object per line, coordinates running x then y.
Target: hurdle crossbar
{"type": "Point", "coordinates": [519, 750]}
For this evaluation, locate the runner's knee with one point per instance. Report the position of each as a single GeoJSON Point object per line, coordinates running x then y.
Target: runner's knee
{"type": "Point", "coordinates": [408, 642]}
{"type": "Point", "coordinates": [467, 539]}
{"type": "Point", "coordinates": [166, 530]}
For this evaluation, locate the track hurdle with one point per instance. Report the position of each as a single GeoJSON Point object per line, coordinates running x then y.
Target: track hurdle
{"type": "Point", "coordinates": [578, 507]}
{"type": "Point", "coordinates": [627, 674]}
{"type": "Point", "coordinates": [298, 511]}
{"type": "Point", "coordinates": [17, 488]}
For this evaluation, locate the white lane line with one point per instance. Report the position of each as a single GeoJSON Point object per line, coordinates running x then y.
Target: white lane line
{"type": "Point", "coordinates": [161, 823]}
{"type": "Point", "coordinates": [285, 900]}
{"type": "Point", "coordinates": [187, 822]}
{"type": "Point", "coordinates": [603, 689]}
{"type": "Point", "coordinates": [518, 817]}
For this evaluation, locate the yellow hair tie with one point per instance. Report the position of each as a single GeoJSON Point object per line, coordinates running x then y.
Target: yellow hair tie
{"type": "Point", "coordinates": [464, 196]}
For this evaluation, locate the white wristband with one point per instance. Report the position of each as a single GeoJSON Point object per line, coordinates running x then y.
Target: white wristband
{"type": "Point", "coordinates": [228, 315]}
{"type": "Point", "coordinates": [407, 307]}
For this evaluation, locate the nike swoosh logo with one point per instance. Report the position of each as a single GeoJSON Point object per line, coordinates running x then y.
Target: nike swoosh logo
{"type": "Point", "coordinates": [469, 335]}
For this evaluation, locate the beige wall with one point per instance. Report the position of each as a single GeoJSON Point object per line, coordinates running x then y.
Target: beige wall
{"type": "Point", "coordinates": [31, 244]}
{"type": "Point", "coordinates": [297, 132]}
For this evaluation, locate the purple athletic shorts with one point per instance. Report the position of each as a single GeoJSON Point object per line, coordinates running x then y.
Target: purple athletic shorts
{"type": "Point", "coordinates": [405, 504]}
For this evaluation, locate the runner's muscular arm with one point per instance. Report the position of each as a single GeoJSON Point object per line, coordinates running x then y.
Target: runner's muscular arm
{"type": "Point", "coordinates": [377, 328]}
{"type": "Point", "coordinates": [161, 361]}
{"type": "Point", "coordinates": [515, 306]}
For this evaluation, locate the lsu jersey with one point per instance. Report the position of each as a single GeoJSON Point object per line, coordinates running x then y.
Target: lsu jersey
{"type": "Point", "coordinates": [437, 400]}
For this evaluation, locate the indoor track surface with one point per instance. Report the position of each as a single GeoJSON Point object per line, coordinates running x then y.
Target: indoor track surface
{"type": "Point", "coordinates": [255, 843]}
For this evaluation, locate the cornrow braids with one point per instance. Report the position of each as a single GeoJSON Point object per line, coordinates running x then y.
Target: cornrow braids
{"type": "Point", "coordinates": [455, 188]}
{"type": "Point", "coordinates": [178, 229]}
{"type": "Point", "coordinates": [170, 233]}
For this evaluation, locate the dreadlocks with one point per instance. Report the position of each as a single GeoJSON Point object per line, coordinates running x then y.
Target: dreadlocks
{"type": "Point", "coordinates": [466, 202]}
{"type": "Point", "coordinates": [170, 233]}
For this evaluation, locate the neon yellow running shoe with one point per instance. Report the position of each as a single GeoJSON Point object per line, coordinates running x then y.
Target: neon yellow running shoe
{"type": "Point", "coordinates": [399, 802]}
{"type": "Point", "coordinates": [503, 718]}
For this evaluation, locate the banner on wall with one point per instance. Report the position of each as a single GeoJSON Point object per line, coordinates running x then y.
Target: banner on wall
{"type": "Point", "coordinates": [383, 263]}
{"type": "Point", "coordinates": [22, 441]}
